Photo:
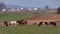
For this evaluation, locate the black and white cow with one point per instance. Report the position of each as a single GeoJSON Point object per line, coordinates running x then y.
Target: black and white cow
{"type": "Point", "coordinates": [40, 23]}
{"type": "Point", "coordinates": [53, 23]}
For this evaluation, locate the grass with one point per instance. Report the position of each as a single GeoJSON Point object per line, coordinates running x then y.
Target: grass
{"type": "Point", "coordinates": [15, 16]}
{"type": "Point", "coordinates": [30, 30]}
{"type": "Point", "coordinates": [25, 29]}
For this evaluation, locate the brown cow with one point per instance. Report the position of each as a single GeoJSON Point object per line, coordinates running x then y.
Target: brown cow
{"type": "Point", "coordinates": [21, 22]}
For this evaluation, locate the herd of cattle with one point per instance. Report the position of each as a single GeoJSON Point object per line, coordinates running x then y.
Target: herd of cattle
{"type": "Point", "coordinates": [13, 23]}
{"type": "Point", "coordinates": [24, 22]}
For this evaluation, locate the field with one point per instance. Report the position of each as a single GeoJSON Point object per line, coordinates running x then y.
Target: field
{"type": "Point", "coordinates": [33, 29]}
{"type": "Point", "coordinates": [5, 16]}
{"type": "Point", "coordinates": [15, 16]}
{"type": "Point", "coordinates": [30, 30]}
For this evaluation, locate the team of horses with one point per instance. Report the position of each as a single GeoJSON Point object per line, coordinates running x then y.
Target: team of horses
{"type": "Point", "coordinates": [24, 22]}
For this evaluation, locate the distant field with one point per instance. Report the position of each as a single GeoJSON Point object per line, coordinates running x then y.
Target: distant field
{"type": "Point", "coordinates": [18, 15]}
{"type": "Point", "coordinates": [15, 16]}
{"type": "Point", "coordinates": [30, 30]}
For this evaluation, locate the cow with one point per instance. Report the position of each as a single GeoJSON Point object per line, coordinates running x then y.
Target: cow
{"type": "Point", "coordinates": [13, 23]}
{"type": "Point", "coordinates": [40, 23]}
{"type": "Point", "coordinates": [53, 23]}
{"type": "Point", "coordinates": [21, 22]}
{"type": "Point", "coordinates": [47, 23]}
{"type": "Point", "coordinates": [44, 23]}
{"type": "Point", "coordinates": [6, 23]}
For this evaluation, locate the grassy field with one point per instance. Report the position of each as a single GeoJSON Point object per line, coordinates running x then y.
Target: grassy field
{"type": "Point", "coordinates": [30, 30]}
{"type": "Point", "coordinates": [15, 16]}
{"type": "Point", "coordinates": [18, 15]}
{"type": "Point", "coordinates": [25, 29]}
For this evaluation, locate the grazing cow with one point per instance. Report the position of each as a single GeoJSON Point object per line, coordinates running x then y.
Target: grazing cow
{"type": "Point", "coordinates": [53, 23]}
{"type": "Point", "coordinates": [6, 23]}
{"type": "Point", "coordinates": [13, 23]}
{"type": "Point", "coordinates": [25, 22]}
{"type": "Point", "coordinates": [21, 22]}
{"type": "Point", "coordinates": [40, 23]}
{"type": "Point", "coordinates": [47, 23]}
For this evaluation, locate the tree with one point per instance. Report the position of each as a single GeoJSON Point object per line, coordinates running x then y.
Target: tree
{"type": "Point", "coordinates": [58, 10]}
{"type": "Point", "coordinates": [2, 6]}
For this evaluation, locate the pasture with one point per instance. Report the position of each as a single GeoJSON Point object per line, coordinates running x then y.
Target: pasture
{"type": "Point", "coordinates": [30, 30]}
{"type": "Point", "coordinates": [15, 16]}
{"type": "Point", "coordinates": [24, 29]}
{"type": "Point", "coordinates": [6, 16]}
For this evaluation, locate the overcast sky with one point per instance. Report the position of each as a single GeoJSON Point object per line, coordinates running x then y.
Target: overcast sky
{"type": "Point", "coordinates": [33, 3]}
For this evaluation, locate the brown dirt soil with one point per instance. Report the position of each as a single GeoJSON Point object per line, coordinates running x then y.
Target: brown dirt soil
{"type": "Point", "coordinates": [38, 18]}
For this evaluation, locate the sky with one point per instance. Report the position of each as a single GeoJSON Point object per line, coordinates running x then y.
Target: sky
{"type": "Point", "coordinates": [34, 3]}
